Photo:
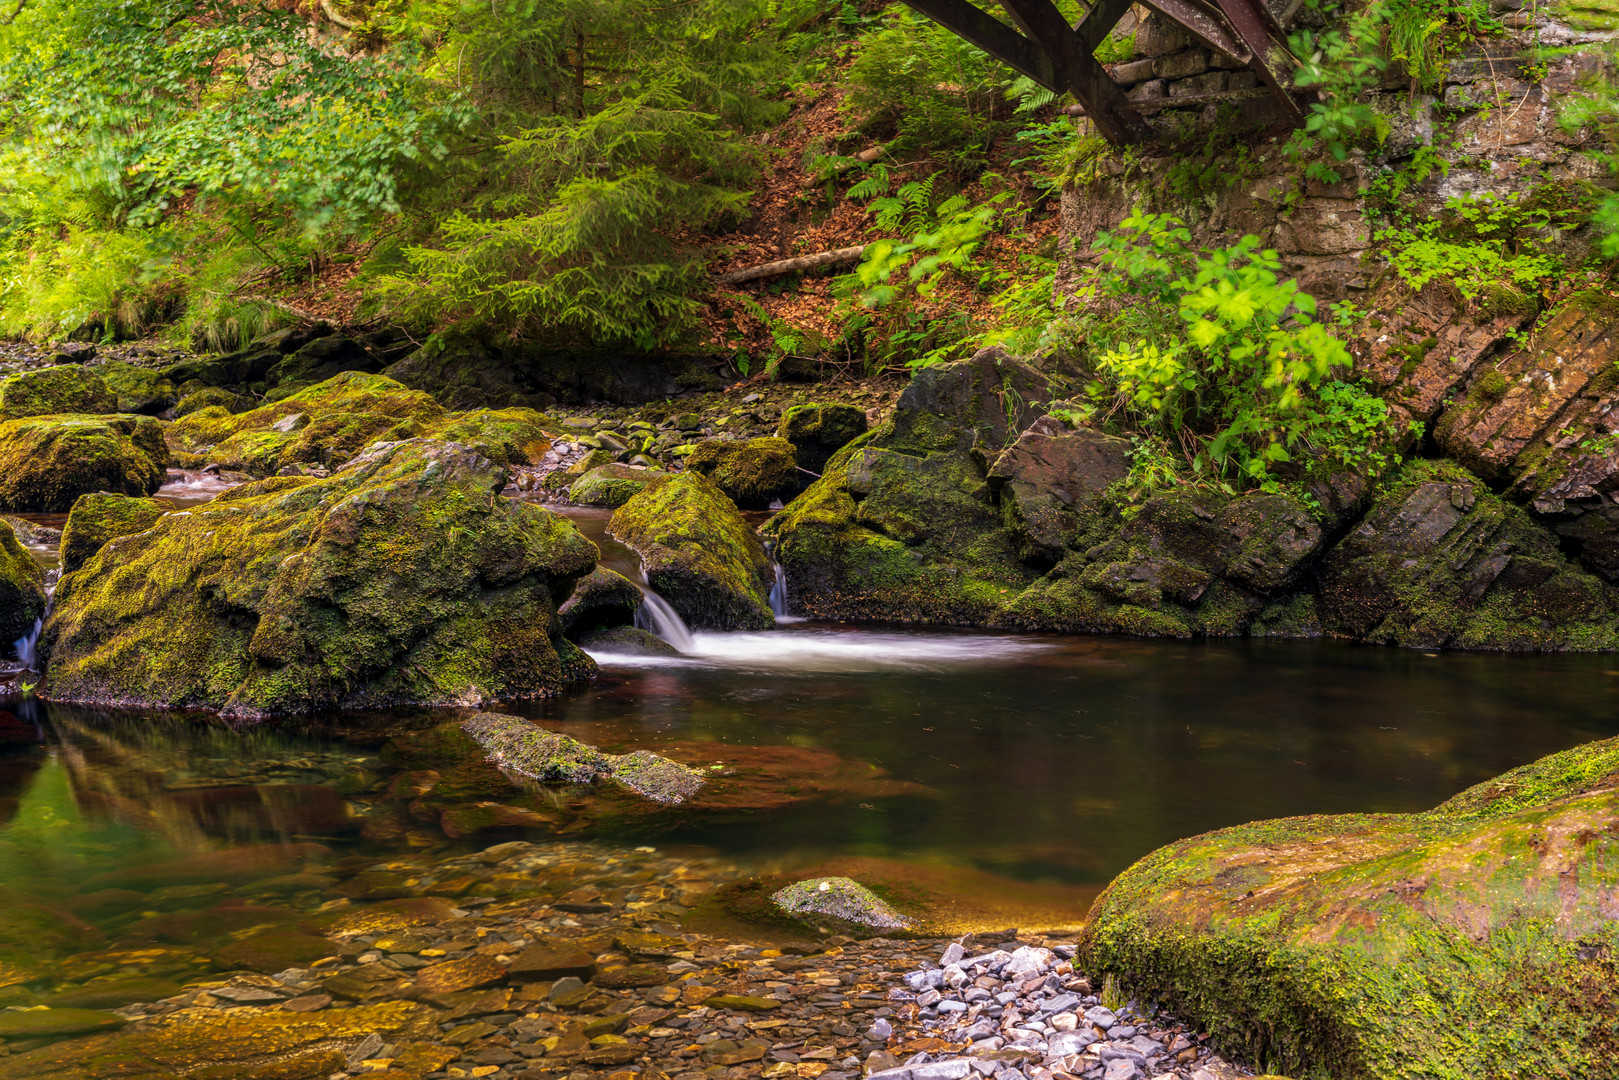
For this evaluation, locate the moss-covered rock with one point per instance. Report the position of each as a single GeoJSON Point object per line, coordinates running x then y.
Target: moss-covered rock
{"type": "Point", "coordinates": [136, 389]}
{"type": "Point", "coordinates": [66, 388]}
{"type": "Point", "coordinates": [654, 777]}
{"type": "Point", "coordinates": [504, 436]}
{"type": "Point", "coordinates": [838, 903]}
{"type": "Point", "coordinates": [325, 425]}
{"type": "Point", "coordinates": [46, 462]}
{"type": "Point", "coordinates": [818, 431]}
{"type": "Point", "coordinates": [213, 396]}
{"type": "Point", "coordinates": [403, 578]}
{"type": "Point", "coordinates": [99, 517]}
{"type": "Point", "coordinates": [22, 591]}
{"type": "Point", "coordinates": [517, 746]}
{"type": "Point", "coordinates": [603, 598]}
{"type": "Point", "coordinates": [753, 473]}
{"type": "Point", "coordinates": [1473, 940]}
{"type": "Point", "coordinates": [612, 485]}
{"type": "Point", "coordinates": [1440, 560]}
{"type": "Point", "coordinates": [699, 553]}
{"type": "Point", "coordinates": [625, 641]}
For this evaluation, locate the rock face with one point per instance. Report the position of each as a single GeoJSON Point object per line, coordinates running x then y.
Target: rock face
{"type": "Point", "coordinates": [97, 518]}
{"type": "Point", "coordinates": [699, 554]}
{"type": "Point", "coordinates": [753, 473]}
{"type": "Point", "coordinates": [1440, 560]}
{"type": "Point", "coordinates": [612, 485]}
{"type": "Point", "coordinates": [66, 388]}
{"type": "Point", "coordinates": [1391, 945]}
{"type": "Point", "coordinates": [1048, 472]}
{"type": "Point", "coordinates": [46, 462]}
{"type": "Point", "coordinates": [819, 431]}
{"type": "Point", "coordinates": [403, 578]}
{"type": "Point", "coordinates": [22, 591]}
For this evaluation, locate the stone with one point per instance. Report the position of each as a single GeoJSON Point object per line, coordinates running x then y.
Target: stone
{"type": "Point", "coordinates": [1480, 916]}
{"type": "Point", "coordinates": [62, 389]}
{"type": "Point", "coordinates": [1046, 474]}
{"type": "Point", "coordinates": [1132, 72]}
{"type": "Point", "coordinates": [602, 599]}
{"type": "Point", "coordinates": [307, 1003]}
{"type": "Point", "coordinates": [47, 462]}
{"type": "Point", "coordinates": [522, 747]}
{"type": "Point", "coordinates": [624, 641]}
{"type": "Point", "coordinates": [100, 517]}
{"type": "Point", "coordinates": [22, 591]}
{"type": "Point", "coordinates": [612, 485]}
{"type": "Point", "coordinates": [741, 1002]}
{"type": "Point", "coordinates": [633, 976]}
{"type": "Point", "coordinates": [213, 396]}
{"type": "Point", "coordinates": [1121, 1069]}
{"type": "Point", "coordinates": [56, 1023]}
{"type": "Point", "coordinates": [838, 902]}
{"type": "Point", "coordinates": [657, 778]}
{"type": "Point", "coordinates": [650, 944]}
{"type": "Point", "coordinates": [543, 962]}
{"type": "Point", "coordinates": [404, 577]}
{"type": "Point", "coordinates": [1181, 64]}
{"type": "Point", "coordinates": [753, 473]}
{"type": "Point", "coordinates": [453, 976]}
{"type": "Point", "coordinates": [274, 951]}
{"type": "Point", "coordinates": [699, 554]}
{"type": "Point", "coordinates": [367, 983]}
{"type": "Point", "coordinates": [818, 431]}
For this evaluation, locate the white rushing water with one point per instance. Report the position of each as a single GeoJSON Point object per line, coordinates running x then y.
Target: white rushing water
{"type": "Point", "coordinates": [27, 647]}
{"type": "Point", "coordinates": [657, 616]}
{"type": "Point", "coordinates": [806, 650]}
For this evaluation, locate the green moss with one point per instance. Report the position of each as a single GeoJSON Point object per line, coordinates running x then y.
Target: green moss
{"type": "Point", "coordinates": [22, 590]}
{"type": "Point", "coordinates": [66, 388]}
{"type": "Point", "coordinates": [213, 397]}
{"type": "Point", "coordinates": [612, 485]}
{"type": "Point", "coordinates": [136, 389]}
{"type": "Point", "coordinates": [517, 745]}
{"type": "Point", "coordinates": [403, 578]}
{"type": "Point", "coordinates": [1493, 385]}
{"type": "Point", "coordinates": [602, 598]}
{"type": "Point", "coordinates": [753, 473]}
{"type": "Point", "coordinates": [98, 518]}
{"type": "Point", "coordinates": [699, 553]}
{"type": "Point", "coordinates": [504, 436]}
{"type": "Point", "coordinates": [818, 431]}
{"type": "Point", "coordinates": [46, 462]}
{"type": "Point", "coordinates": [1465, 942]}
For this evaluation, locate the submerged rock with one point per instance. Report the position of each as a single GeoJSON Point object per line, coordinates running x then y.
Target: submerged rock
{"type": "Point", "coordinates": [518, 746]}
{"type": "Point", "coordinates": [838, 903]}
{"type": "Point", "coordinates": [46, 462]}
{"type": "Point", "coordinates": [22, 591]}
{"type": "Point", "coordinates": [66, 388]}
{"type": "Point", "coordinates": [97, 518]}
{"type": "Point", "coordinates": [818, 431]}
{"type": "Point", "coordinates": [753, 473]}
{"type": "Point", "coordinates": [1391, 945]}
{"type": "Point", "coordinates": [612, 485]}
{"type": "Point", "coordinates": [657, 778]}
{"type": "Point", "coordinates": [699, 554]}
{"type": "Point", "coordinates": [403, 578]}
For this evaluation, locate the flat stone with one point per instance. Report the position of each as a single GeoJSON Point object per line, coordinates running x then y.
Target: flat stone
{"type": "Point", "coordinates": [540, 962]}
{"type": "Point", "coordinates": [307, 1003]}
{"type": "Point", "coordinates": [742, 1002]}
{"type": "Point", "coordinates": [727, 1052]}
{"type": "Point", "coordinates": [632, 977]}
{"type": "Point", "coordinates": [646, 943]}
{"type": "Point", "coordinates": [452, 976]}
{"type": "Point", "coordinates": [246, 995]}
{"type": "Point", "coordinates": [56, 1023]}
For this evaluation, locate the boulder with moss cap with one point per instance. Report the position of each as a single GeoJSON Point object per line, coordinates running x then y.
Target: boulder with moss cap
{"type": "Point", "coordinates": [99, 517]}
{"type": "Point", "coordinates": [838, 903]}
{"type": "Point", "coordinates": [66, 388]}
{"type": "Point", "coordinates": [612, 485]}
{"type": "Point", "coordinates": [1384, 946]}
{"type": "Point", "coordinates": [603, 598]}
{"type": "Point", "coordinates": [404, 578]}
{"type": "Point", "coordinates": [46, 462]}
{"type": "Point", "coordinates": [753, 473]}
{"type": "Point", "coordinates": [22, 590]}
{"type": "Point", "coordinates": [818, 431]}
{"type": "Point", "coordinates": [699, 553]}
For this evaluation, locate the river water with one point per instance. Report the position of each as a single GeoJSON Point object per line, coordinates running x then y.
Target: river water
{"type": "Point", "coordinates": [1030, 767]}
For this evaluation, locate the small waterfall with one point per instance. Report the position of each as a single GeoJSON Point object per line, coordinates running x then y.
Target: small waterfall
{"type": "Point", "coordinates": [27, 647]}
{"type": "Point", "coordinates": [778, 593]}
{"type": "Point", "coordinates": [656, 615]}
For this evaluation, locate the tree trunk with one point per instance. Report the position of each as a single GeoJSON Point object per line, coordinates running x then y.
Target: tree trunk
{"type": "Point", "coordinates": [790, 266]}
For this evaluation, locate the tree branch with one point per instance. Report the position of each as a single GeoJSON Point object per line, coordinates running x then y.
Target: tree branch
{"type": "Point", "coordinates": [790, 266]}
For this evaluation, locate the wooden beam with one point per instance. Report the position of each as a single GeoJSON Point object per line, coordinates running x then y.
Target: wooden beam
{"type": "Point", "coordinates": [993, 36]}
{"type": "Point", "coordinates": [1103, 16]}
{"type": "Point", "coordinates": [1105, 103]}
{"type": "Point", "coordinates": [1259, 31]}
{"type": "Point", "coordinates": [1206, 24]}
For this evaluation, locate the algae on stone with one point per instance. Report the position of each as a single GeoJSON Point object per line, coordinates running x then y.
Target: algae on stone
{"type": "Point", "coordinates": [403, 578]}
{"type": "Point", "coordinates": [66, 388]}
{"type": "Point", "coordinates": [46, 462]}
{"type": "Point", "coordinates": [838, 903]}
{"type": "Point", "coordinates": [518, 746]}
{"type": "Point", "coordinates": [1471, 940]}
{"type": "Point", "coordinates": [612, 485]}
{"type": "Point", "coordinates": [504, 436]}
{"type": "Point", "coordinates": [753, 473]}
{"type": "Point", "coordinates": [699, 553]}
{"type": "Point", "coordinates": [99, 517]}
{"type": "Point", "coordinates": [22, 590]}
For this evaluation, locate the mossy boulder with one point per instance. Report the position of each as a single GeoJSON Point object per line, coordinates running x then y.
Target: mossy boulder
{"type": "Point", "coordinates": [66, 388]}
{"type": "Point", "coordinates": [1474, 940]}
{"type": "Point", "coordinates": [657, 778]}
{"type": "Point", "coordinates": [603, 598]}
{"type": "Point", "coordinates": [326, 424]}
{"type": "Point", "coordinates": [753, 473]}
{"type": "Point", "coordinates": [46, 462]}
{"type": "Point", "coordinates": [818, 431]}
{"type": "Point", "coordinates": [213, 396]}
{"type": "Point", "coordinates": [1440, 560]}
{"type": "Point", "coordinates": [136, 389]}
{"type": "Point", "coordinates": [99, 517]}
{"type": "Point", "coordinates": [22, 591]}
{"type": "Point", "coordinates": [504, 436]}
{"type": "Point", "coordinates": [517, 746]}
{"type": "Point", "coordinates": [320, 359]}
{"type": "Point", "coordinates": [403, 578]}
{"type": "Point", "coordinates": [699, 553]}
{"type": "Point", "coordinates": [838, 903]}
{"type": "Point", "coordinates": [612, 485]}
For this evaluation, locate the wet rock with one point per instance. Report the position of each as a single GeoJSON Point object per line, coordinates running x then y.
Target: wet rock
{"type": "Point", "coordinates": [504, 436]}
{"type": "Point", "coordinates": [389, 916]}
{"type": "Point", "coordinates": [56, 1023]}
{"type": "Point", "coordinates": [213, 397]}
{"type": "Point", "coordinates": [625, 641]}
{"type": "Point", "coordinates": [836, 902]}
{"type": "Point", "coordinates": [1481, 916]}
{"type": "Point", "coordinates": [46, 462]}
{"type": "Point", "coordinates": [699, 554]}
{"type": "Point", "coordinates": [319, 360]}
{"type": "Point", "coordinates": [453, 976]}
{"type": "Point", "coordinates": [656, 778]}
{"type": "Point", "coordinates": [633, 976]}
{"type": "Point", "coordinates": [612, 485]}
{"type": "Point", "coordinates": [114, 992]}
{"type": "Point", "coordinates": [136, 389]}
{"type": "Point", "coordinates": [55, 390]}
{"type": "Point", "coordinates": [818, 431]}
{"type": "Point", "coordinates": [543, 962]}
{"type": "Point", "coordinates": [521, 747]}
{"type": "Point", "coordinates": [601, 599]}
{"type": "Point", "coordinates": [404, 577]}
{"type": "Point", "coordinates": [753, 473]}
{"type": "Point", "coordinates": [1043, 476]}
{"type": "Point", "coordinates": [273, 952]}
{"type": "Point", "coordinates": [22, 591]}
{"type": "Point", "coordinates": [100, 517]}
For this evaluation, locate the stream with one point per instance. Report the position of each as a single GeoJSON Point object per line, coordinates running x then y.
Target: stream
{"type": "Point", "coordinates": [1021, 772]}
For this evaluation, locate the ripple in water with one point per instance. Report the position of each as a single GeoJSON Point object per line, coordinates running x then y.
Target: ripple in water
{"type": "Point", "coordinates": [835, 650]}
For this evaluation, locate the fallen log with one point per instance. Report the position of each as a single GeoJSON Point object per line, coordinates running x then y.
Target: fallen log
{"type": "Point", "coordinates": [790, 266]}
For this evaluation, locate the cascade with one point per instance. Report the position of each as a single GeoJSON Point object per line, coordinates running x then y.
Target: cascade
{"type": "Point", "coordinates": [657, 616]}
{"type": "Point", "coordinates": [27, 646]}
{"type": "Point", "coordinates": [778, 593]}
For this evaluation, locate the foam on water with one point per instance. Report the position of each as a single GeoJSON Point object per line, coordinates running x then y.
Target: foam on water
{"type": "Point", "coordinates": [806, 650]}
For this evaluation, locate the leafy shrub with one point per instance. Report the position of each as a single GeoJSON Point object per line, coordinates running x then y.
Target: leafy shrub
{"type": "Point", "coordinates": [1477, 243]}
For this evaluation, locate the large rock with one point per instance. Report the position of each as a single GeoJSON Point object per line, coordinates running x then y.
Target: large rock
{"type": "Point", "coordinates": [1049, 472]}
{"type": "Point", "coordinates": [1473, 940]}
{"type": "Point", "coordinates": [66, 388]}
{"type": "Point", "coordinates": [517, 746]}
{"type": "Point", "coordinates": [403, 578]}
{"type": "Point", "coordinates": [838, 903]}
{"type": "Point", "coordinates": [319, 360]}
{"type": "Point", "coordinates": [612, 485]}
{"type": "Point", "coordinates": [699, 553]}
{"type": "Point", "coordinates": [22, 591]}
{"type": "Point", "coordinates": [602, 599]}
{"type": "Point", "coordinates": [504, 436]}
{"type": "Point", "coordinates": [1440, 560]}
{"type": "Point", "coordinates": [753, 473]}
{"type": "Point", "coordinates": [46, 462]}
{"type": "Point", "coordinates": [136, 389]}
{"type": "Point", "coordinates": [819, 431]}
{"type": "Point", "coordinates": [97, 518]}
